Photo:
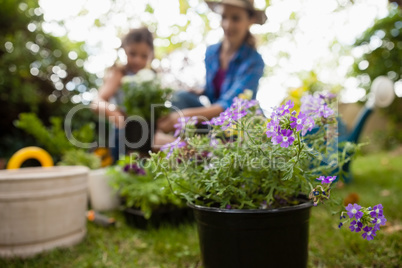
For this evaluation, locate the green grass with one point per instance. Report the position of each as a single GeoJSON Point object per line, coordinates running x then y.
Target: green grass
{"type": "Point", "coordinates": [123, 246]}
{"type": "Point", "coordinates": [377, 179]}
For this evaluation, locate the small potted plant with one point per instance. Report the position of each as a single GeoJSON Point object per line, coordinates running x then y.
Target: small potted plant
{"type": "Point", "coordinates": [252, 180]}
{"type": "Point", "coordinates": [144, 99]}
{"type": "Point", "coordinates": [147, 202]}
{"type": "Point", "coordinates": [55, 141]}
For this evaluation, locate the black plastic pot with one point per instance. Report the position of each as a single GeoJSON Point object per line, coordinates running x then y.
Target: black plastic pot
{"type": "Point", "coordinates": [139, 136]}
{"type": "Point", "coordinates": [253, 238]}
{"type": "Point", "coordinates": [163, 216]}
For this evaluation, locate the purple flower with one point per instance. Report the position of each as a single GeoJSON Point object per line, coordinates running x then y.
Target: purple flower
{"type": "Point", "coordinates": [377, 211]}
{"type": "Point", "coordinates": [247, 104]}
{"type": "Point", "coordinates": [213, 142]}
{"type": "Point", "coordinates": [327, 95]}
{"type": "Point", "coordinates": [275, 115]}
{"type": "Point", "coordinates": [379, 221]}
{"type": "Point", "coordinates": [369, 233]}
{"type": "Point", "coordinates": [180, 126]}
{"type": "Point", "coordinates": [178, 143]}
{"type": "Point", "coordinates": [234, 116]}
{"type": "Point", "coordinates": [310, 105]}
{"type": "Point", "coordinates": [353, 211]}
{"type": "Point", "coordinates": [308, 125]}
{"type": "Point", "coordinates": [217, 121]}
{"type": "Point", "coordinates": [356, 226]}
{"type": "Point", "coordinates": [328, 179]}
{"type": "Point", "coordinates": [126, 168]}
{"type": "Point", "coordinates": [237, 110]}
{"type": "Point", "coordinates": [325, 111]}
{"type": "Point", "coordinates": [285, 138]}
{"type": "Point", "coordinates": [273, 129]}
{"type": "Point", "coordinates": [134, 168]}
{"type": "Point", "coordinates": [228, 206]}
{"type": "Point", "coordinates": [284, 109]}
{"type": "Point", "coordinates": [298, 122]}
{"type": "Point", "coordinates": [315, 106]}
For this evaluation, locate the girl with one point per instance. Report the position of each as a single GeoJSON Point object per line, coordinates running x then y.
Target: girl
{"type": "Point", "coordinates": [232, 65]}
{"type": "Point", "coordinates": [139, 48]}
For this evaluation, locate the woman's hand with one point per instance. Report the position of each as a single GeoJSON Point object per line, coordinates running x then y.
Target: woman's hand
{"type": "Point", "coordinates": [166, 123]}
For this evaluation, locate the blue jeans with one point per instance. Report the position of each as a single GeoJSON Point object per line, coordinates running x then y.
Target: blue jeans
{"type": "Point", "coordinates": [115, 150]}
{"type": "Point", "coordinates": [185, 99]}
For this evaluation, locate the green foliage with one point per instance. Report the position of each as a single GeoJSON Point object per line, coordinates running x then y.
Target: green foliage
{"type": "Point", "coordinates": [149, 9]}
{"type": "Point", "coordinates": [32, 65]}
{"type": "Point", "coordinates": [55, 141]}
{"type": "Point", "coordinates": [28, 57]}
{"type": "Point", "coordinates": [80, 158]}
{"type": "Point", "coordinates": [135, 181]}
{"type": "Point", "coordinates": [85, 134]}
{"type": "Point", "coordinates": [141, 92]}
{"type": "Point", "coordinates": [383, 59]}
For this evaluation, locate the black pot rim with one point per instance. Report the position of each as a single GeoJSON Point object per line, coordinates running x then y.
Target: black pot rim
{"type": "Point", "coordinates": [304, 205]}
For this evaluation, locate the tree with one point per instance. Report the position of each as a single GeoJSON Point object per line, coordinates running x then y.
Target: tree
{"type": "Point", "coordinates": [382, 46]}
{"type": "Point", "coordinates": [38, 72]}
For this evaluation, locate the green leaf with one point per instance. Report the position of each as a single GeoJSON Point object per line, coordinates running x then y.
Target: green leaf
{"type": "Point", "coordinates": [288, 174]}
{"type": "Point", "coordinates": [149, 9]}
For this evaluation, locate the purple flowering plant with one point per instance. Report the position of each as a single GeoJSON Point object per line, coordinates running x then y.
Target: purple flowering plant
{"type": "Point", "coordinates": [366, 221]}
{"type": "Point", "coordinates": [247, 160]}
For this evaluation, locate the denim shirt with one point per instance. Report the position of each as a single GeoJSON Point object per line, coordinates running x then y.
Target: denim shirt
{"type": "Point", "coordinates": [244, 72]}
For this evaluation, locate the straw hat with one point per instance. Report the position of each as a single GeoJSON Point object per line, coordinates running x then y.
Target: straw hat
{"type": "Point", "coordinates": [259, 15]}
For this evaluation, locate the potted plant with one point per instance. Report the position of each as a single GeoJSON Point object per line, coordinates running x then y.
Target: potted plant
{"type": "Point", "coordinates": [101, 195]}
{"type": "Point", "coordinates": [55, 141]}
{"type": "Point", "coordinates": [141, 92]}
{"type": "Point", "coordinates": [147, 202]}
{"type": "Point", "coordinates": [252, 180]}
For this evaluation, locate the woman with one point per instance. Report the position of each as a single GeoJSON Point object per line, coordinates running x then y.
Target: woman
{"type": "Point", "coordinates": [232, 65]}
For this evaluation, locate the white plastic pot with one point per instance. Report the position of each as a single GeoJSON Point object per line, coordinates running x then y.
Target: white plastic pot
{"type": "Point", "coordinates": [42, 208]}
{"type": "Point", "coordinates": [101, 195]}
